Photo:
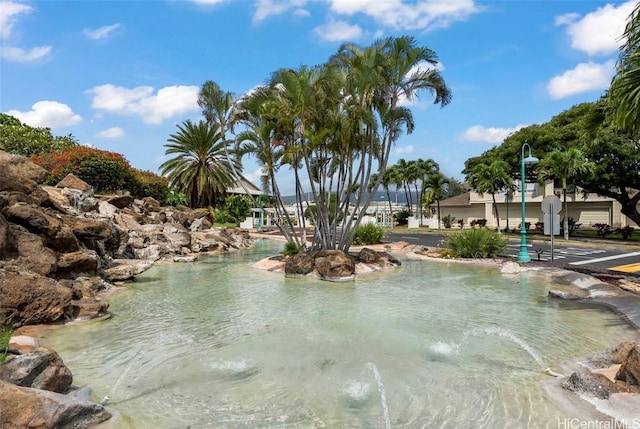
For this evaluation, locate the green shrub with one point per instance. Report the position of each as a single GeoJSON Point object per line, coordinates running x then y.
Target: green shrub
{"type": "Point", "coordinates": [401, 217]}
{"type": "Point", "coordinates": [5, 336]}
{"type": "Point", "coordinates": [177, 198]}
{"type": "Point", "coordinates": [368, 234]}
{"type": "Point", "coordinates": [476, 243]}
{"type": "Point", "coordinates": [290, 248]}
{"type": "Point", "coordinates": [219, 216]}
{"type": "Point", "coordinates": [22, 139]}
{"type": "Point", "coordinates": [237, 208]}
{"type": "Point", "coordinates": [447, 221]}
{"type": "Point", "coordinates": [148, 184]}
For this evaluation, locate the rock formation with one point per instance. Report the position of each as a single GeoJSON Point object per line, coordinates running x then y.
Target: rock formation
{"type": "Point", "coordinates": [61, 247]}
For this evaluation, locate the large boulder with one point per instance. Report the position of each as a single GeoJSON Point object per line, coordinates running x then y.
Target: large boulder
{"type": "Point", "coordinates": [22, 167]}
{"type": "Point", "coordinates": [41, 369]}
{"type": "Point", "coordinates": [300, 264]}
{"type": "Point", "coordinates": [74, 182]}
{"type": "Point", "coordinates": [33, 218]}
{"type": "Point", "coordinates": [120, 201]}
{"type": "Point", "coordinates": [32, 253]}
{"type": "Point", "coordinates": [27, 408]}
{"type": "Point", "coordinates": [125, 269]}
{"type": "Point", "coordinates": [88, 228]}
{"type": "Point", "coordinates": [334, 264]}
{"type": "Point", "coordinates": [591, 384]}
{"type": "Point", "coordinates": [28, 298]}
{"type": "Point", "coordinates": [629, 371]}
{"type": "Point", "coordinates": [76, 264]}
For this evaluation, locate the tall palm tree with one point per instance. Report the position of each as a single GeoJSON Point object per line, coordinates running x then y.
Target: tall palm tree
{"type": "Point", "coordinates": [404, 173]}
{"type": "Point", "coordinates": [219, 109]}
{"type": "Point", "coordinates": [565, 166]}
{"type": "Point", "coordinates": [425, 168]}
{"type": "Point", "coordinates": [491, 179]}
{"type": "Point", "coordinates": [434, 189]}
{"type": "Point", "coordinates": [200, 168]}
{"type": "Point", "coordinates": [623, 97]}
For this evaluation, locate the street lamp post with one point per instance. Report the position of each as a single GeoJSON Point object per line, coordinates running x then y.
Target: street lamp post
{"type": "Point", "coordinates": [523, 254]}
{"type": "Point", "coordinates": [261, 220]}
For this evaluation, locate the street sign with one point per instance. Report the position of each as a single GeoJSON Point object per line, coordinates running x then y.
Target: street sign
{"type": "Point", "coordinates": [551, 204]}
{"type": "Point", "coordinates": [551, 221]}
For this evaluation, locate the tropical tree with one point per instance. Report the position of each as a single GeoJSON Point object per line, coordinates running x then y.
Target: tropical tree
{"type": "Point", "coordinates": [565, 166]}
{"type": "Point", "coordinates": [623, 97]}
{"type": "Point", "coordinates": [434, 190]}
{"type": "Point", "coordinates": [404, 174]}
{"type": "Point", "coordinates": [425, 169]}
{"type": "Point", "coordinates": [615, 153]}
{"type": "Point", "coordinates": [200, 168]}
{"type": "Point", "coordinates": [337, 122]}
{"type": "Point", "coordinates": [491, 178]}
{"type": "Point", "coordinates": [22, 139]}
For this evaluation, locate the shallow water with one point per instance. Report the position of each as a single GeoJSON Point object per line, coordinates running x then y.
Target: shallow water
{"type": "Point", "coordinates": [219, 344]}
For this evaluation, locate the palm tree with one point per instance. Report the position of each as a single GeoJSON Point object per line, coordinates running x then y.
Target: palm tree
{"type": "Point", "coordinates": [426, 168]}
{"type": "Point", "coordinates": [404, 174]}
{"type": "Point", "coordinates": [434, 189]}
{"type": "Point", "coordinates": [623, 97]}
{"type": "Point", "coordinates": [200, 168]}
{"type": "Point", "coordinates": [565, 166]}
{"type": "Point", "coordinates": [492, 178]}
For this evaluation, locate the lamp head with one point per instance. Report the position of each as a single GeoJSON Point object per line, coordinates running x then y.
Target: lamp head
{"type": "Point", "coordinates": [530, 160]}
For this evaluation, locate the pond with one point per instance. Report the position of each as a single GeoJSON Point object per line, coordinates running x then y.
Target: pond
{"type": "Point", "coordinates": [219, 344]}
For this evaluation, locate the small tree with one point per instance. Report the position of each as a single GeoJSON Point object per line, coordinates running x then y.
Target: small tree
{"type": "Point", "coordinates": [237, 207]}
{"type": "Point", "coordinates": [491, 178]}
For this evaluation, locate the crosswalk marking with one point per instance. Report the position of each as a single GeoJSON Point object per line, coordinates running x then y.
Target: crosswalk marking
{"type": "Point", "coordinates": [606, 258]}
{"type": "Point", "coordinates": [629, 268]}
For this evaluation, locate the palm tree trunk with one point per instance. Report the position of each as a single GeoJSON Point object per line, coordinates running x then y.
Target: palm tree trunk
{"type": "Point", "coordinates": [566, 214]}
{"type": "Point", "coordinates": [438, 201]}
{"type": "Point", "coordinates": [495, 211]}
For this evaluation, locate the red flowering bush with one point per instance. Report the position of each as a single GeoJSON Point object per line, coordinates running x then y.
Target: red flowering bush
{"type": "Point", "coordinates": [105, 171]}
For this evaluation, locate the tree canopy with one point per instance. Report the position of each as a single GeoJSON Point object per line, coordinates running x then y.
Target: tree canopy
{"type": "Point", "coordinates": [614, 153]}
{"type": "Point", "coordinates": [22, 139]}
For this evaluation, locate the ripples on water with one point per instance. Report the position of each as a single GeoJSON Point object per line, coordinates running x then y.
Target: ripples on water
{"type": "Point", "coordinates": [218, 344]}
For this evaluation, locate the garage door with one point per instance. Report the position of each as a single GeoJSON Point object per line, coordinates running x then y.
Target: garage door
{"type": "Point", "coordinates": [592, 215]}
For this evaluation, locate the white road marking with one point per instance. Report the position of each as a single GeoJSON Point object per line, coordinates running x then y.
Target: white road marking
{"type": "Point", "coordinates": [606, 258]}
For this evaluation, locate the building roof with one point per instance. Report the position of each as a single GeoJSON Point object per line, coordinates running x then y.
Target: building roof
{"type": "Point", "coordinates": [251, 189]}
{"type": "Point", "coordinates": [458, 200]}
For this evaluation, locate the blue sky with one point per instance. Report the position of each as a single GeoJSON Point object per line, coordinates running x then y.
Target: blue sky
{"type": "Point", "coordinates": [120, 75]}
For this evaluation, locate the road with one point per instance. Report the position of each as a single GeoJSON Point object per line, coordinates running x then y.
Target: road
{"type": "Point", "coordinates": [622, 260]}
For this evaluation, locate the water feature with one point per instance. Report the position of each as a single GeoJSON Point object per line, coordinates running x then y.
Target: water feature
{"type": "Point", "coordinates": [383, 393]}
{"type": "Point", "coordinates": [228, 346]}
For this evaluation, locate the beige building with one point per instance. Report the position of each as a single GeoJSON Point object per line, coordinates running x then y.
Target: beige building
{"type": "Point", "coordinates": [587, 210]}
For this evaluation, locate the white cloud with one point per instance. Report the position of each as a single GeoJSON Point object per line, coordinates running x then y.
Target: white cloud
{"type": "Point", "coordinates": [598, 32]}
{"type": "Point", "coordinates": [8, 12]}
{"type": "Point", "coordinates": [584, 77]}
{"type": "Point", "coordinates": [337, 31]}
{"type": "Point", "coordinates": [8, 15]}
{"type": "Point", "coordinates": [402, 150]}
{"type": "Point", "coordinates": [208, 2]}
{"type": "Point", "coordinates": [480, 133]}
{"type": "Point", "coordinates": [405, 15]}
{"type": "Point", "coordinates": [47, 114]}
{"type": "Point", "coordinates": [100, 33]}
{"type": "Point", "coordinates": [266, 8]}
{"type": "Point", "coordinates": [19, 55]}
{"type": "Point", "coordinates": [110, 133]}
{"type": "Point", "coordinates": [141, 101]}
